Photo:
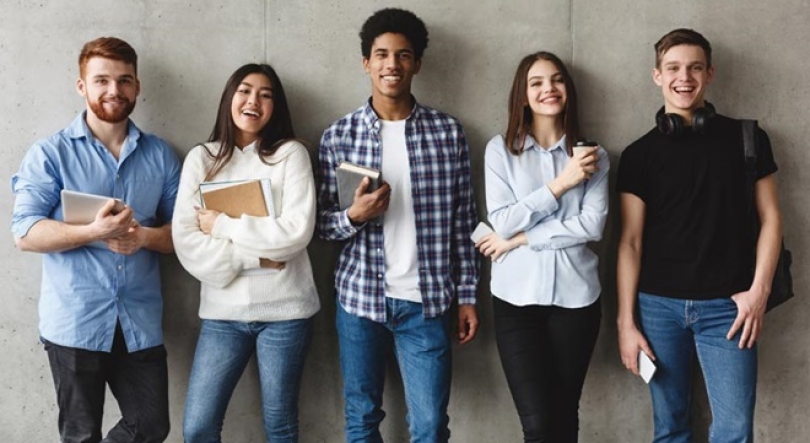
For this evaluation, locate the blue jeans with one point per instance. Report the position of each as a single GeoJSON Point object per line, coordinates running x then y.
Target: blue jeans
{"type": "Point", "coordinates": [677, 330]}
{"type": "Point", "coordinates": [423, 352]}
{"type": "Point", "coordinates": [223, 350]}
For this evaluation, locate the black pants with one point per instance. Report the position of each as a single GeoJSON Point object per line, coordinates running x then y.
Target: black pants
{"type": "Point", "coordinates": [545, 352]}
{"type": "Point", "coordinates": [138, 380]}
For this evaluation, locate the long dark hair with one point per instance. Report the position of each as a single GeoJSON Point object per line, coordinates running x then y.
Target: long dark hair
{"type": "Point", "coordinates": [520, 114]}
{"type": "Point", "coordinates": [277, 131]}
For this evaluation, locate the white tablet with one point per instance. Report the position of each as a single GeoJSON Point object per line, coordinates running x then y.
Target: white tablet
{"type": "Point", "coordinates": [79, 208]}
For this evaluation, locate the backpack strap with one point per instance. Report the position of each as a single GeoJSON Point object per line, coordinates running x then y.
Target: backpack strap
{"type": "Point", "coordinates": [749, 149]}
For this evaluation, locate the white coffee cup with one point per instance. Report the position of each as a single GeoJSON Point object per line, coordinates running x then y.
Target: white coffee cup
{"type": "Point", "coordinates": [584, 146]}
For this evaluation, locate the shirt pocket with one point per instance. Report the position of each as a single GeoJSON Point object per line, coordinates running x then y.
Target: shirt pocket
{"type": "Point", "coordinates": [143, 196]}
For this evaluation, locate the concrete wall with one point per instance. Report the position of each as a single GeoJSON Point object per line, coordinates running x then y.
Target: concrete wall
{"type": "Point", "coordinates": [188, 49]}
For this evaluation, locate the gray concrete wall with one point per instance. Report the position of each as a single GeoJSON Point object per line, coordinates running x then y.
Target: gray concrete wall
{"type": "Point", "coordinates": [188, 49]}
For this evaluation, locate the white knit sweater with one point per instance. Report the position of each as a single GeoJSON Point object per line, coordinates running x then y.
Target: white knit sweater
{"type": "Point", "coordinates": [226, 262]}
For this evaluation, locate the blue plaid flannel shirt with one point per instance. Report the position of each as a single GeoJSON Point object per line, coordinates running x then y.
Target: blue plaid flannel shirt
{"type": "Point", "coordinates": [443, 205]}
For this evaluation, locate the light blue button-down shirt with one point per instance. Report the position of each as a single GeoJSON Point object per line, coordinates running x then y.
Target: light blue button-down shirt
{"type": "Point", "coordinates": [557, 267]}
{"type": "Point", "coordinates": [86, 290]}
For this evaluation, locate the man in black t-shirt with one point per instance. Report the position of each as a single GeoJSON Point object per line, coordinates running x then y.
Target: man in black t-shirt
{"type": "Point", "coordinates": [685, 262]}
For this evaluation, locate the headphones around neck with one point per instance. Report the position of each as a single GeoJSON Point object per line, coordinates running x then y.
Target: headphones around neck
{"type": "Point", "coordinates": [673, 125]}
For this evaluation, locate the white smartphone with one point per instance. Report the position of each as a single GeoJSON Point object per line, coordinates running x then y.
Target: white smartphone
{"type": "Point", "coordinates": [480, 231]}
{"type": "Point", "coordinates": [646, 367]}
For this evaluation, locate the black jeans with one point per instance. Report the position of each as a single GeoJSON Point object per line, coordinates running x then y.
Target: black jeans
{"type": "Point", "coordinates": [138, 380]}
{"type": "Point", "coordinates": [545, 352]}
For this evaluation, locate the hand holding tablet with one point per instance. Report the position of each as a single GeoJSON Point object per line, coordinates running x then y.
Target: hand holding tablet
{"type": "Point", "coordinates": [79, 208]}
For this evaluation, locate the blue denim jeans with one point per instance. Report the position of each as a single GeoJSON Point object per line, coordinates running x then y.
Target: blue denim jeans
{"type": "Point", "coordinates": [423, 351]}
{"type": "Point", "coordinates": [678, 330]}
{"type": "Point", "coordinates": [223, 350]}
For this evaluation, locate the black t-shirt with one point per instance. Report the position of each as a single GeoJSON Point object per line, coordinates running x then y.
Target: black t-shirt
{"type": "Point", "coordinates": [697, 241]}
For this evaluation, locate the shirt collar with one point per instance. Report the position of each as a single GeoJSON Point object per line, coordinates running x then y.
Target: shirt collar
{"type": "Point", "coordinates": [531, 143]}
{"type": "Point", "coordinates": [372, 120]}
{"type": "Point", "coordinates": [249, 149]}
{"type": "Point", "coordinates": [79, 129]}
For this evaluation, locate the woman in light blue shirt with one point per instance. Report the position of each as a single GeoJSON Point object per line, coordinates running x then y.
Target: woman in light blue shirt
{"type": "Point", "coordinates": [546, 200]}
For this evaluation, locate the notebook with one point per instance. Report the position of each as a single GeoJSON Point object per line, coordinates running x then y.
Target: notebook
{"type": "Point", "coordinates": [239, 197]}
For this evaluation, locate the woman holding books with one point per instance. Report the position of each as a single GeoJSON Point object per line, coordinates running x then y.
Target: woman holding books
{"type": "Point", "coordinates": [257, 291]}
{"type": "Point", "coordinates": [546, 200]}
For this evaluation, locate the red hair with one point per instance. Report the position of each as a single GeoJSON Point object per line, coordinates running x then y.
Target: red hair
{"type": "Point", "coordinates": [108, 47]}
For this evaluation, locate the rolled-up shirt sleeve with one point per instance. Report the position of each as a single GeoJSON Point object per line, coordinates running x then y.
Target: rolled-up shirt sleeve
{"type": "Point", "coordinates": [36, 190]}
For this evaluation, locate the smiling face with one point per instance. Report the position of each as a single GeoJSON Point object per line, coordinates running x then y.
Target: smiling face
{"type": "Point", "coordinates": [683, 76]}
{"type": "Point", "coordinates": [251, 107]}
{"type": "Point", "coordinates": [110, 88]}
{"type": "Point", "coordinates": [545, 90]}
{"type": "Point", "coordinates": [391, 65]}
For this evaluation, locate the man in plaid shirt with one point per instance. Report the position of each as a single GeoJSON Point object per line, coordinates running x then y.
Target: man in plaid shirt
{"type": "Point", "coordinates": [407, 252]}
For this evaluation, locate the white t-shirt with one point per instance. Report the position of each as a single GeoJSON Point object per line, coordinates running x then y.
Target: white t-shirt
{"type": "Point", "coordinates": [399, 222]}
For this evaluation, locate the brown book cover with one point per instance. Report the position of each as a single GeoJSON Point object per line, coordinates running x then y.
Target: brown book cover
{"type": "Point", "coordinates": [237, 199]}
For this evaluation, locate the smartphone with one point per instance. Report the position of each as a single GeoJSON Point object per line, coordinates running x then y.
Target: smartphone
{"type": "Point", "coordinates": [480, 231]}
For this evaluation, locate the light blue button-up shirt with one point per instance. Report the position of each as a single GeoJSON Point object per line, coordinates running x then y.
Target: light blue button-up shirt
{"type": "Point", "coordinates": [86, 290]}
{"type": "Point", "coordinates": [557, 267]}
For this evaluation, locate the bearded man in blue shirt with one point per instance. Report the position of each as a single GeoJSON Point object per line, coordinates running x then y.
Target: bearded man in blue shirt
{"type": "Point", "coordinates": [101, 304]}
{"type": "Point", "coordinates": [407, 253]}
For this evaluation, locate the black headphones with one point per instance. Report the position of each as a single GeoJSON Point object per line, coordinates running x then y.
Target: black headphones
{"type": "Point", "coordinates": [673, 125]}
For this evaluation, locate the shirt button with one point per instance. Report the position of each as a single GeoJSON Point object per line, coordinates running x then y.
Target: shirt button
{"type": "Point", "coordinates": [120, 267]}
{"type": "Point", "coordinates": [379, 275]}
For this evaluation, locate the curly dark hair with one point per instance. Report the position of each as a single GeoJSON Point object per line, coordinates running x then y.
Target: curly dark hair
{"type": "Point", "coordinates": [397, 21]}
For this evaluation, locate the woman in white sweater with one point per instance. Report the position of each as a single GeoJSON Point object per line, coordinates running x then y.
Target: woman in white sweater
{"type": "Point", "coordinates": [257, 291]}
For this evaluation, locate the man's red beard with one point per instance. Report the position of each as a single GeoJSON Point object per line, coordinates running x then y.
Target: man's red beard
{"type": "Point", "coordinates": [117, 116]}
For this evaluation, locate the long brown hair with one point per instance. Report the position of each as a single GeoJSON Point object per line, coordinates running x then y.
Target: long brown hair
{"type": "Point", "coordinates": [520, 114]}
{"type": "Point", "coordinates": [275, 133]}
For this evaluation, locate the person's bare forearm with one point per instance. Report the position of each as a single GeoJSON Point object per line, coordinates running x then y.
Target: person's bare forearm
{"type": "Point", "coordinates": [627, 274]}
{"type": "Point", "coordinates": [47, 236]}
{"type": "Point", "coordinates": [159, 239]}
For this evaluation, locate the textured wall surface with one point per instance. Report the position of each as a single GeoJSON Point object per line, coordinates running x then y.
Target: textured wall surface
{"type": "Point", "coordinates": [188, 49]}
